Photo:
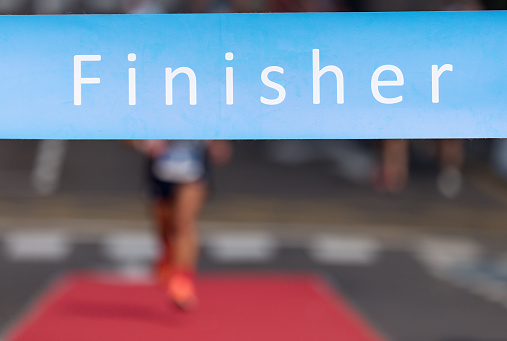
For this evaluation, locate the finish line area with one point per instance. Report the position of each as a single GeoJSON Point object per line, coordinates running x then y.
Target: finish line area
{"type": "Point", "coordinates": [256, 77]}
{"type": "Point", "coordinates": [233, 307]}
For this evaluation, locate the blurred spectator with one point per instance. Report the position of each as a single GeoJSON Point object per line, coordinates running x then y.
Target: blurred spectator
{"type": "Point", "coordinates": [452, 153]}
{"type": "Point", "coordinates": [452, 158]}
{"type": "Point", "coordinates": [393, 172]}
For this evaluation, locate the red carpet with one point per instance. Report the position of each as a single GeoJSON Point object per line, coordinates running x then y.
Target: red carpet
{"type": "Point", "coordinates": [89, 307]}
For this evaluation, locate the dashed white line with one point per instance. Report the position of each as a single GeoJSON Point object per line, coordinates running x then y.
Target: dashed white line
{"type": "Point", "coordinates": [460, 262]}
{"type": "Point", "coordinates": [37, 246]}
{"type": "Point", "coordinates": [130, 248]}
{"type": "Point", "coordinates": [344, 250]}
{"type": "Point", "coordinates": [440, 254]}
{"type": "Point", "coordinates": [242, 247]}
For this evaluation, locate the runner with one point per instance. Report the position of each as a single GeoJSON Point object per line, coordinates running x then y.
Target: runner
{"type": "Point", "coordinates": [179, 178]}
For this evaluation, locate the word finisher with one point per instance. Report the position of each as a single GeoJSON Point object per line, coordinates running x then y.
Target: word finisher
{"type": "Point", "coordinates": [318, 72]}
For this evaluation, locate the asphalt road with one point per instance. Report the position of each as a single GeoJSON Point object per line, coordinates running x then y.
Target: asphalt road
{"type": "Point", "coordinates": [404, 292]}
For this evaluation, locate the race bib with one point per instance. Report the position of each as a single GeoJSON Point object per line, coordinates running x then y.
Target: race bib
{"type": "Point", "coordinates": [182, 162]}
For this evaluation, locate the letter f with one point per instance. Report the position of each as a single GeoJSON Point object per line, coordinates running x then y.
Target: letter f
{"type": "Point", "coordinates": [78, 80]}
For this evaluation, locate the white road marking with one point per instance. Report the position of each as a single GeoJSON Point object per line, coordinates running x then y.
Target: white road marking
{"type": "Point", "coordinates": [460, 261]}
{"type": "Point", "coordinates": [130, 248]}
{"type": "Point", "coordinates": [37, 247]}
{"type": "Point", "coordinates": [440, 254]}
{"type": "Point", "coordinates": [48, 166]}
{"type": "Point", "coordinates": [344, 250]}
{"type": "Point", "coordinates": [242, 247]}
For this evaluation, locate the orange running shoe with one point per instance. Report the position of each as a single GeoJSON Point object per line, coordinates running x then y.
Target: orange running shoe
{"type": "Point", "coordinates": [181, 290]}
{"type": "Point", "coordinates": [162, 270]}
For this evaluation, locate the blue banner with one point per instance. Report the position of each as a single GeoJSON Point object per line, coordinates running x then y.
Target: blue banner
{"type": "Point", "coordinates": [254, 76]}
